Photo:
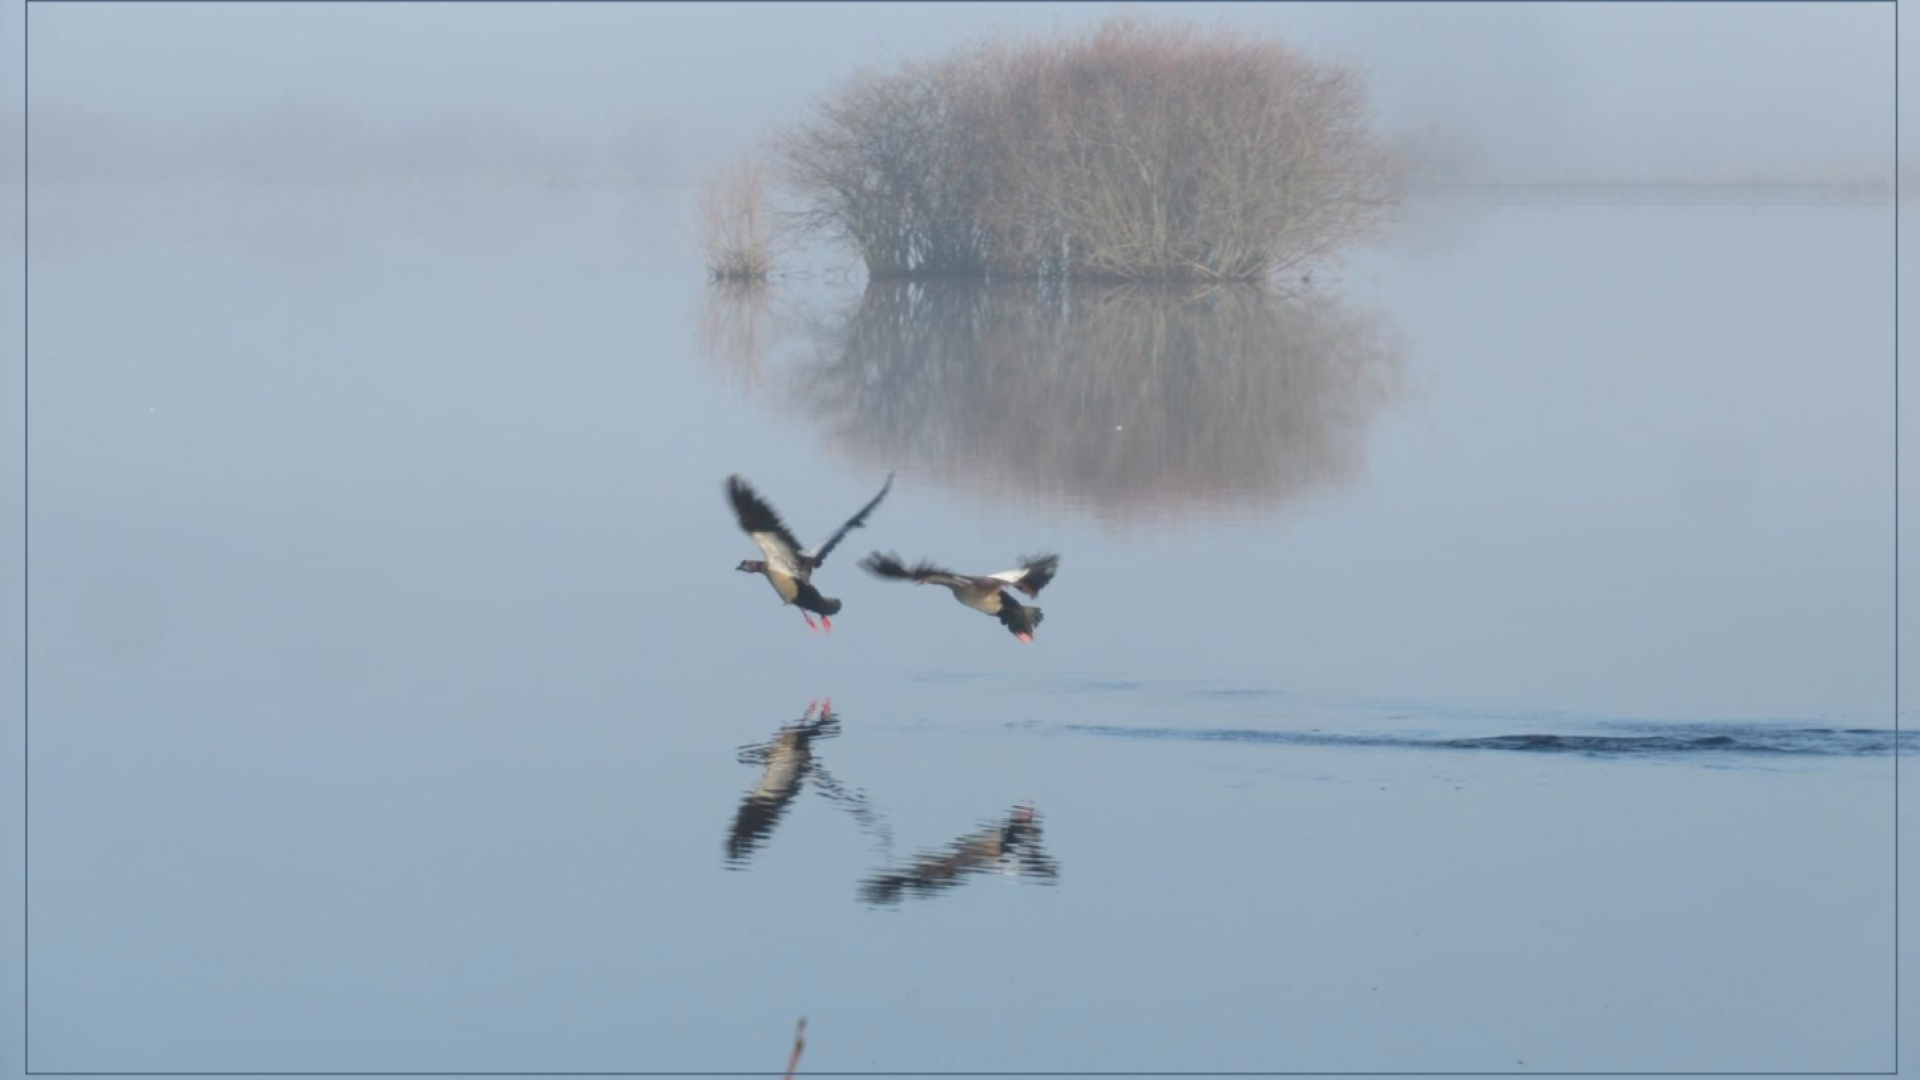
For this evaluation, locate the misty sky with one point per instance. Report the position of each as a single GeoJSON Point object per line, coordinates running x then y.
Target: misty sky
{"type": "Point", "coordinates": [1545, 90]}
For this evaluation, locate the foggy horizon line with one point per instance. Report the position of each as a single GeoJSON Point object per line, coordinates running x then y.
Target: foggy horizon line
{"type": "Point", "coordinates": [325, 144]}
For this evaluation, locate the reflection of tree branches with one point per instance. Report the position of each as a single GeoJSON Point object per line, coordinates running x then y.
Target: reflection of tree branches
{"type": "Point", "coordinates": [1127, 397]}
{"type": "Point", "coordinates": [736, 328]}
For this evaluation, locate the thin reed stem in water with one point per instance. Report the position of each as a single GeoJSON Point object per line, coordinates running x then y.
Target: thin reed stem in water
{"type": "Point", "coordinates": [799, 1044]}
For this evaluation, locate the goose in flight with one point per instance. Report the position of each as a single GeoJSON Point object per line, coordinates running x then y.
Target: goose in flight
{"type": "Point", "coordinates": [786, 567]}
{"type": "Point", "coordinates": [983, 592]}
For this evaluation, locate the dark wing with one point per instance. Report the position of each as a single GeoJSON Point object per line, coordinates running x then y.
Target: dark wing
{"type": "Point", "coordinates": [753, 823]}
{"type": "Point", "coordinates": [817, 554]}
{"type": "Point", "coordinates": [759, 521]}
{"type": "Point", "coordinates": [1033, 575]}
{"type": "Point", "coordinates": [890, 566]}
{"type": "Point", "coordinates": [1016, 616]}
{"type": "Point", "coordinates": [788, 761]}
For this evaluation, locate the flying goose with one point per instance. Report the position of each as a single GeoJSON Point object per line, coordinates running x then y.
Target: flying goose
{"type": "Point", "coordinates": [787, 568]}
{"type": "Point", "coordinates": [984, 592]}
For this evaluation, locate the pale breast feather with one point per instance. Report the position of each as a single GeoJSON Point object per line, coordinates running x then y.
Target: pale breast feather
{"type": "Point", "coordinates": [780, 557]}
{"type": "Point", "coordinates": [784, 582]}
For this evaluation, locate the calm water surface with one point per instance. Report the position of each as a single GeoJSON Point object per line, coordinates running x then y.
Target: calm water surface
{"type": "Point", "coordinates": [1477, 658]}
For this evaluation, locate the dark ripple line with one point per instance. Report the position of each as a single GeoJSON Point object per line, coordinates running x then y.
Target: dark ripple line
{"type": "Point", "coordinates": [1803, 742]}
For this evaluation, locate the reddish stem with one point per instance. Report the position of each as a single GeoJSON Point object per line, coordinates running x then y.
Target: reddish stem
{"type": "Point", "coordinates": [799, 1044]}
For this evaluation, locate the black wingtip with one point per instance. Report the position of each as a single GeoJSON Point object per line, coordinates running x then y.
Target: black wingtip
{"type": "Point", "coordinates": [1040, 570]}
{"type": "Point", "coordinates": [754, 513]}
{"type": "Point", "coordinates": [886, 565]}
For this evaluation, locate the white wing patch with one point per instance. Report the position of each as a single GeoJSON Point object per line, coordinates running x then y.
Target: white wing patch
{"type": "Point", "coordinates": [1011, 577]}
{"type": "Point", "coordinates": [779, 556]}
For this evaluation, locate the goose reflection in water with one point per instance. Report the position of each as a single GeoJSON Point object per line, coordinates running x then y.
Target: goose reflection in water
{"type": "Point", "coordinates": [1130, 401]}
{"type": "Point", "coordinates": [1009, 846]}
{"type": "Point", "coordinates": [790, 763]}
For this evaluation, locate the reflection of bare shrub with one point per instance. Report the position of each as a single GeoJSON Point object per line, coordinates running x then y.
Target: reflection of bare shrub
{"type": "Point", "coordinates": [736, 231]}
{"type": "Point", "coordinates": [1127, 397]}
{"type": "Point", "coordinates": [736, 327]}
{"type": "Point", "coordinates": [1132, 151]}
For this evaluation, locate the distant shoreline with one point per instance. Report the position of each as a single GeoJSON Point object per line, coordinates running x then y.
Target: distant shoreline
{"type": "Point", "coordinates": [1781, 191]}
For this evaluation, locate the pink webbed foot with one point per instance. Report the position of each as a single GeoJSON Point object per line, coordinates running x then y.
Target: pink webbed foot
{"type": "Point", "coordinates": [827, 623]}
{"type": "Point", "coordinates": [811, 626]}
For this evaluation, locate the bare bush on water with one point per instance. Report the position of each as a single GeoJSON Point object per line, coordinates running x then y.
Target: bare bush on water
{"type": "Point", "coordinates": [1144, 182]}
{"type": "Point", "coordinates": [1132, 151]}
{"type": "Point", "coordinates": [736, 227]}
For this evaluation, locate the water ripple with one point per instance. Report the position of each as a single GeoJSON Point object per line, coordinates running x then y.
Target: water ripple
{"type": "Point", "coordinates": [1651, 740]}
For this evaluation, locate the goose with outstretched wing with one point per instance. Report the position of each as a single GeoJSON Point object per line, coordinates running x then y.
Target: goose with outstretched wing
{"type": "Point", "coordinates": [981, 592]}
{"type": "Point", "coordinates": [788, 568]}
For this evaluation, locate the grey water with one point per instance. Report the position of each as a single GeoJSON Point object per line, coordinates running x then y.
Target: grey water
{"type": "Point", "coordinates": [1476, 658]}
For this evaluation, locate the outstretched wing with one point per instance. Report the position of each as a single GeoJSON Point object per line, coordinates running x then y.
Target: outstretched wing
{"type": "Point", "coordinates": [853, 802]}
{"type": "Point", "coordinates": [764, 526]}
{"type": "Point", "coordinates": [1032, 576]}
{"type": "Point", "coordinates": [817, 554]}
{"type": "Point", "coordinates": [890, 566]}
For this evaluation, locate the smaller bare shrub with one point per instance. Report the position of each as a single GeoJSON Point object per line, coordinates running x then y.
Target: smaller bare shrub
{"type": "Point", "coordinates": [736, 227]}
